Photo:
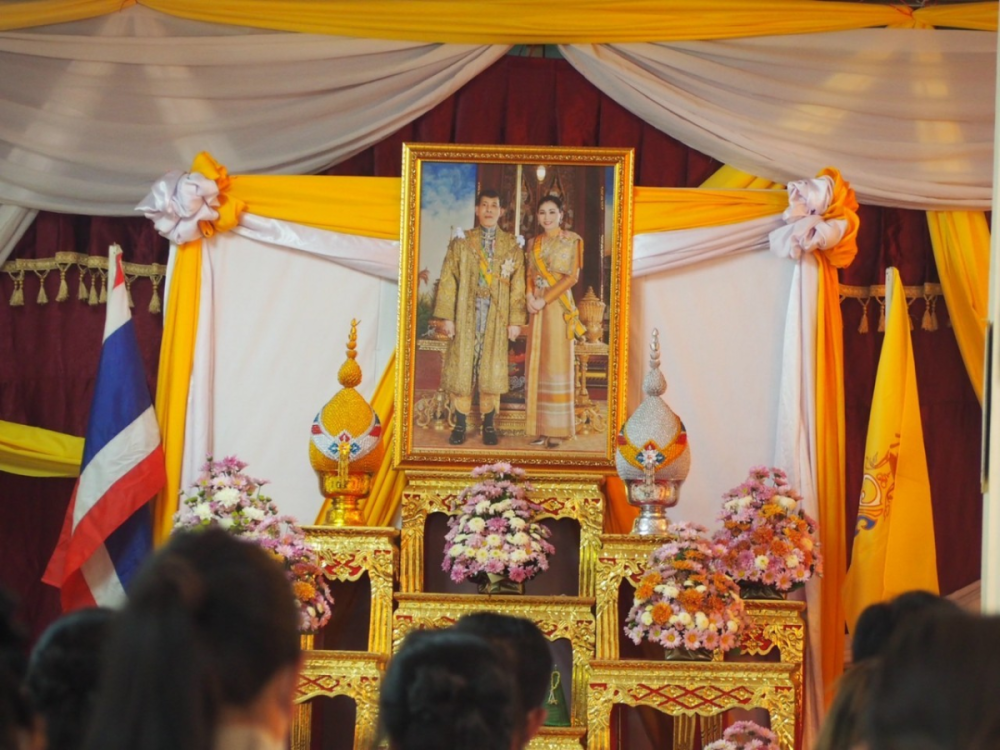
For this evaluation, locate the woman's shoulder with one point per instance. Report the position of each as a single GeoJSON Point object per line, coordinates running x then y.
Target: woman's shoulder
{"type": "Point", "coordinates": [567, 234]}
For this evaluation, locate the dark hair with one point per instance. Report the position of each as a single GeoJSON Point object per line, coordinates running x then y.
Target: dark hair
{"type": "Point", "coordinates": [447, 691]}
{"type": "Point", "coordinates": [209, 622]}
{"type": "Point", "coordinates": [16, 714]}
{"type": "Point", "coordinates": [937, 686]}
{"type": "Point", "coordinates": [878, 622]}
{"type": "Point", "coordinates": [841, 728]}
{"type": "Point", "coordinates": [487, 193]}
{"type": "Point", "coordinates": [63, 674]}
{"type": "Point", "coordinates": [525, 645]}
{"type": "Point", "coordinates": [552, 199]}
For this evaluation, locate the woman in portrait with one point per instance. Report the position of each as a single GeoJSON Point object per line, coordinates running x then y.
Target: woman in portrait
{"type": "Point", "coordinates": [554, 259]}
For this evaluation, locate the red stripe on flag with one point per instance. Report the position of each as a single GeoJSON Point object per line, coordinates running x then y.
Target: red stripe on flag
{"type": "Point", "coordinates": [135, 488]}
{"type": "Point", "coordinates": [75, 593]}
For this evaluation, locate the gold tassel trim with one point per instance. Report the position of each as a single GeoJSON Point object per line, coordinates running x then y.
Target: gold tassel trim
{"type": "Point", "coordinates": [95, 267]}
{"type": "Point", "coordinates": [930, 293]}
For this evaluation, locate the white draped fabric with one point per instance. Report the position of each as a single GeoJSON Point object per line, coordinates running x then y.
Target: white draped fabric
{"type": "Point", "coordinates": [906, 114]}
{"type": "Point", "coordinates": [92, 112]}
{"type": "Point", "coordinates": [14, 222]}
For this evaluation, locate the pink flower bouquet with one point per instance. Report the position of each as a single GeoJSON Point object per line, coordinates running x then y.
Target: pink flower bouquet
{"type": "Point", "coordinates": [494, 530]}
{"type": "Point", "coordinates": [224, 496]}
{"type": "Point", "coordinates": [746, 735]}
{"type": "Point", "coordinates": [681, 602]}
{"type": "Point", "coordinates": [769, 539]}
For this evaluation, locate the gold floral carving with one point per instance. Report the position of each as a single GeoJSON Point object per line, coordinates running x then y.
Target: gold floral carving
{"type": "Point", "coordinates": [580, 499]}
{"type": "Point", "coordinates": [556, 616]}
{"type": "Point", "coordinates": [558, 738]}
{"type": "Point", "coordinates": [688, 689]}
{"type": "Point", "coordinates": [332, 673]}
{"type": "Point", "coordinates": [347, 553]}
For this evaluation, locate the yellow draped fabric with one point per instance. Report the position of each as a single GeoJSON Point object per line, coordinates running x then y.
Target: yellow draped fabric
{"type": "Point", "coordinates": [36, 452]}
{"type": "Point", "coordinates": [524, 21]}
{"type": "Point", "coordinates": [961, 242]}
{"type": "Point", "coordinates": [180, 328]}
{"type": "Point", "coordinates": [668, 209]}
{"type": "Point", "coordinates": [368, 206]}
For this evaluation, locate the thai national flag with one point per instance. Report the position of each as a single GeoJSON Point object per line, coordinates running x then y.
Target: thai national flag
{"type": "Point", "coordinates": [108, 529]}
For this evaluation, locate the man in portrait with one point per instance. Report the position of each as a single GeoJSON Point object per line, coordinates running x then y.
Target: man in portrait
{"type": "Point", "coordinates": [481, 303]}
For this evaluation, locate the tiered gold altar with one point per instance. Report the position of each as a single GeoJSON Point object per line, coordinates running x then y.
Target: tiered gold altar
{"type": "Point", "coordinates": [695, 694]}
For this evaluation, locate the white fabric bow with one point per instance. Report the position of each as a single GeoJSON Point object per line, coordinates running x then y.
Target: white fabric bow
{"type": "Point", "coordinates": [177, 202]}
{"type": "Point", "coordinates": [805, 228]}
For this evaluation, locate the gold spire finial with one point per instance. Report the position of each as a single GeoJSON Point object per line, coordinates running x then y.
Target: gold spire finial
{"type": "Point", "coordinates": [350, 372]}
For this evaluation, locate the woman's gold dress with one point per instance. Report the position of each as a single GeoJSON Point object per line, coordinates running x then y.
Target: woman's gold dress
{"type": "Point", "coordinates": [550, 361]}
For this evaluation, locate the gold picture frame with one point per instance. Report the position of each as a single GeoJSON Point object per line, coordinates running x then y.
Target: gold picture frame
{"type": "Point", "coordinates": [552, 281]}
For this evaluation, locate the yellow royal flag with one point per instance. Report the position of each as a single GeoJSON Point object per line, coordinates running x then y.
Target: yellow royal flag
{"type": "Point", "coordinates": [894, 538]}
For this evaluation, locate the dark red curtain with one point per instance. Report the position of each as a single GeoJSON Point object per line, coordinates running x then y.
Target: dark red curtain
{"type": "Point", "coordinates": [48, 354]}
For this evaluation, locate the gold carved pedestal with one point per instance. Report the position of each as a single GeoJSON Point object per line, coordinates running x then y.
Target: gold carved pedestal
{"type": "Point", "coordinates": [346, 554]}
{"type": "Point", "coordinates": [690, 689]}
{"type": "Point", "coordinates": [776, 624]}
{"type": "Point", "coordinates": [589, 418]}
{"type": "Point", "coordinates": [434, 492]}
{"type": "Point", "coordinates": [557, 617]}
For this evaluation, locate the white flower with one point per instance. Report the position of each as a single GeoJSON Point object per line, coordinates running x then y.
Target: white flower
{"type": "Point", "coordinates": [483, 506]}
{"type": "Point", "coordinates": [519, 538]}
{"type": "Point", "coordinates": [456, 550]}
{"type": "Point", "coordinates": [509, 514]}
{"type": "Point", "coordinates": [518, 556]}
{"type": "Point", "coordinates": [760, 562]}
{"type": "Point", "coordinates": [785, 502]}
{"type": "Point", "coordinates": [482, 555]}
{"type": "Point", "coordinates": [203, 511]}
{"type": "Point", "coordinates": [226, 522]}
{"type": "Point", "coordinates": [646, 618]}
{"type": "Point", "coordinates": [493, 540]}
{"type": "Point", "coordinates": [731, 504]}
{"type": "Point", "coordinates": [685, 618]}
{"type": "Point", "coordinates": [744, 501]}
{"type": "Point", "coordinates": [700, 589]}
{"type": "Point", "coordinates": [732, 626]}
{"type": "Point", "coordinates": [498, 554]}
{"type": "Point", "coordinates": [517, 523]}
{"type": "Point", "coordinates": [671, 592]}
{"type": "Point", "coordinates": [476, 524]}
{"type": "Point", "coordinates": [227, 497]}
{"type": "Point", "coordinates": [701, 620]}
{"type": "Point", "coordinates": [792, 561]}
{"type": "Point", "coordinates": [254, 514]}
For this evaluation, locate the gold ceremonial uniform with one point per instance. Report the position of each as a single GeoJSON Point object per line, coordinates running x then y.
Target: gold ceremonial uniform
{"type": "Point", "coordinates": [466, 274]}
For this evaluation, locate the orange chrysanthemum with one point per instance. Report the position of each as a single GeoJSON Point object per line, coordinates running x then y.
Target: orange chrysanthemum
{"type": "Point", "coordinates": [661, 613]}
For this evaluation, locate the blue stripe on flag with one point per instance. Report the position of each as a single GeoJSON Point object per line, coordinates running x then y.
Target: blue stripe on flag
{"type": "Point", "coordinates": [130, 543]}
{"type": "Point", "coordinates": [120, 394]}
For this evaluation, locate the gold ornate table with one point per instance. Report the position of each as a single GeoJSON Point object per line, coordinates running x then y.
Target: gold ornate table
{"type": "Point", "coordinates": [434, 492]}
{"type": "Point", "coordinates": [332, 673]}
{"type": "Point", "coordinates": [690, 689]}
{"type": "Point", "coordinates": [557, 617]}
{"type": "Point", "coordinates": [559, 738]}
{"type": "Point", "coordinates": [347, 553]}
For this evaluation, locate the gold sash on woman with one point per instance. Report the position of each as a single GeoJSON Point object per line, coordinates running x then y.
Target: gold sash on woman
{"type": "Point", "coordinates": [571, 315]}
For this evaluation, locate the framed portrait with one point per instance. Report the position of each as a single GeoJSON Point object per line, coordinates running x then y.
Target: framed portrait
{"type": "Point", "coordinates": [514, 288]}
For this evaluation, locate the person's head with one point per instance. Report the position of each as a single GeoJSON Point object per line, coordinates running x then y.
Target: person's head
{"type": "Point", "coordinates": [550, 213]}
{"type": "Point", "coordinates": [447, 691]}
{"type": "Point", "coordinates": [936, 686]}
{"type": "Point", "coordinates": [209, 637]}
{"type": "Point", "coordinates": [19, 726]}
{"type": "Point", "coordinates": [521, 644]}
{"type": "Point", "coordinates": [488, 208]}
{"type": "Point", "coordinates": [841, 728]}
{"type": "Point", "coordinates": [878, 622]}
{"type": "Point", "coordinates": [63, 674]}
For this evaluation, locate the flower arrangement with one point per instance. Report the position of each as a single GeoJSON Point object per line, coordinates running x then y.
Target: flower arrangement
{"type": "Point", "coordinates": [745, 735]}
{"type": "Point", "coordinates": [769, 539]}
{"type": "Point", "coordinates": [494, 531]}
{"type": "Point", "coordinates": [682, 602]}
{"type": "Point", "coordinates": [224, 496]}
